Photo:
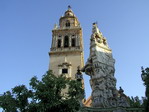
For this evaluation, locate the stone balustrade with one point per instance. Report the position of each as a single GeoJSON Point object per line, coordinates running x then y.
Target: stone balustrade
{"type": "Point", "coordinates": [62, 49]}
{"type": "Point", "coordinates": [64, 27]}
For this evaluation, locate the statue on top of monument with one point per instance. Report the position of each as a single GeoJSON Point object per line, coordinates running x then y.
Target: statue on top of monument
{"type": "Point", "coordinates": [95, 28]}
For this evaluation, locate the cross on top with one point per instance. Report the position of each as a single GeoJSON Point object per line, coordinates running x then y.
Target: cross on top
{"type": "Point", "coordinates": [69, 7]}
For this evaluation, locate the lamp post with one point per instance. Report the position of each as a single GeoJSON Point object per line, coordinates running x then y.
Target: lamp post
{"type": "Point", "coordinates": [79, 78]}
{"type": "Point", "coordinates": [78, 75]}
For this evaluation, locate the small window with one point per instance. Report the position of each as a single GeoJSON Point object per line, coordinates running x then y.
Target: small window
{"type": "Point", "coordinates": [73, 42]}
{"type": "Point", "coordinates": [59, 43]}
{"type": "Point", "coordinates": [66, 41]}
{"type": "Point", "coordinates": [67, 23]}
{"type": "Point", "coordinates": [64, 71]}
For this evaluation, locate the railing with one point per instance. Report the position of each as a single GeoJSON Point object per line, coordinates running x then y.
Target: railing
{"type": "Point", "coordinates": [66, 49]}
{"type": "Point", "coordinates": [71, 27]}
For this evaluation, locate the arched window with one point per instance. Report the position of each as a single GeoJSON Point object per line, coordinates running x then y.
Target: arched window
{"type": "Point", "coordinates": [67, 23]}
{"type": "Point", "coordinates": [73, 42]}
{"type": "Point", "coordinates": [66, 41]}
{"type": "Point", "coordinates": [59, 43]}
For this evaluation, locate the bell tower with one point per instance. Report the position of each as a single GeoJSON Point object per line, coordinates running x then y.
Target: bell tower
{"type": "Point", "coordinates": [66, 52]}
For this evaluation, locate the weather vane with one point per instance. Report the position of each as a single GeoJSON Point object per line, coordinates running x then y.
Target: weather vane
{"type": "Point", "coordinates": [69, 7]}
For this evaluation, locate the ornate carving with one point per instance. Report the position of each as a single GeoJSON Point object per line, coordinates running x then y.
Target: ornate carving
{"type": "Point", "coordinates": [100, 66]}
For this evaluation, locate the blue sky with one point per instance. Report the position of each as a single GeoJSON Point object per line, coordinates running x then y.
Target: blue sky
{"type": "Point", "coordinates": [25, 38]}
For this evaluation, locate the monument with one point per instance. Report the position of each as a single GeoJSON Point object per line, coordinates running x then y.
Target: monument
{"type": "Point", "coordinates": [100, 68]}
{"type": "Point", "coordinates": [67, 56]}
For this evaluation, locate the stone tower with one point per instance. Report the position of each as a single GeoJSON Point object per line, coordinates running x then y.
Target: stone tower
{"type": "Point", "coordinates": [66, 52]}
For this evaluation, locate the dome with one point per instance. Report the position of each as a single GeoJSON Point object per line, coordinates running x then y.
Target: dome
{"type": "Point", "coordinates": [69, 12]}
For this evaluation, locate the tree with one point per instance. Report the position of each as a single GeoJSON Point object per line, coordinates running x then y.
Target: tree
{"type": "Point", "coordinates": [7, 102]}
{"type": "Point", "coordinates": [51, 94]}
{"type": "Point", "coordinates": [145, 78]}
{"type": "Point", "coordinates": [135, 102]}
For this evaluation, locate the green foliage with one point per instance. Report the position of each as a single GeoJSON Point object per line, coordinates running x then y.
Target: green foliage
{"type": "Point", "coordinates": [51, 94]}
{"type": "Point", "coordinates": [145, 78]}
{"type": "Point", "coordinates": [7, 102]}
{"type": "Point", "coordinates": [135, 102]}
{"type": "Point", "coordinates": [21, 94]}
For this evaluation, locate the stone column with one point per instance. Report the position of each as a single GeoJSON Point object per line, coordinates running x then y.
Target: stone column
{"type": "Point", "coordinates": [54, 41]}
{"type": "Point", "coordinates": [78, 40]}
{"type": "Point", "coordinates": [70, 40]}
{"type": "Point", "coordinates": [69, 71]}
{"type": "Point", "coordinates": [59, 70]}
{"type": "Point", "coordinates": [62, 41]}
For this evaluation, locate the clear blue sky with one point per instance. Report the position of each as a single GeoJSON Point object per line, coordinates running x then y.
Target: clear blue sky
{"type": "Point", "coordinates": [25, 38]}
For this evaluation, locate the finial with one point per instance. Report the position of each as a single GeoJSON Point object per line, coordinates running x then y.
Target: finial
{"type": "Point", "coordinates": [55, 26]}
{"type": "Point", "coordinates": [69, 7]}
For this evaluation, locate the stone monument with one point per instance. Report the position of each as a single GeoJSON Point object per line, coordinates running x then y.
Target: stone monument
{"type": "Point", "coordinates": [100, 68]}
